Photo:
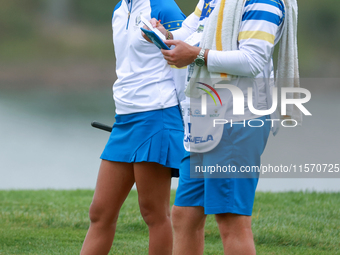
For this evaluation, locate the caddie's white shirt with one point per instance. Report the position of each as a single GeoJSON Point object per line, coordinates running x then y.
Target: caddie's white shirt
{"type": "Point", "coordinates": [260, 29]}
{"type": "Point", "coordinates": [145, 80]}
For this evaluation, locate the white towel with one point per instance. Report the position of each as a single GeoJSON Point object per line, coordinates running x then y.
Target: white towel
{"type": "Point", "coordinates": [224, 22]}
{"type": "Point", "coordinates": [287, 74]}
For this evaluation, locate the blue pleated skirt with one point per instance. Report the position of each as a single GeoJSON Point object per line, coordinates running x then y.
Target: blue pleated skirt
{"type": "Point", "coordinates": [152, 136]}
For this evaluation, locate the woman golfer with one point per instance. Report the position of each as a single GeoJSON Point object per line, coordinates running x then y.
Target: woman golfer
{"type": "Point", "coordinates": [146, 142]}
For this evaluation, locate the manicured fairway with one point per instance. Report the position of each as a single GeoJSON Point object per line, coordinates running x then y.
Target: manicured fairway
{"type": "Point", "coordinates": [55, 222]}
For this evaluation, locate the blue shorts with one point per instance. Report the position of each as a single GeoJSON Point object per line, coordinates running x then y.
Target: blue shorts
{"type": "Point", "coordinates": [152, 136]}
{"type": "Point", "coordinates": [239, 147]}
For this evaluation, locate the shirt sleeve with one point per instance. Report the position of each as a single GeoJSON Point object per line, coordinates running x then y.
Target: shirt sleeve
{"type": "Point", "coordinates": [259, 31]}
{"type": "Point", "coordinates": [190, 24]}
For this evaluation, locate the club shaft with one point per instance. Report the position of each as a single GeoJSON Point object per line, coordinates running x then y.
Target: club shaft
{"type": "Point", "coordinates": [101, 126]}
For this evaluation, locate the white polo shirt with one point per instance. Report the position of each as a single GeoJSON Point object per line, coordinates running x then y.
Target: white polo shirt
{"type": "Point", "coordinates": [145, 80]}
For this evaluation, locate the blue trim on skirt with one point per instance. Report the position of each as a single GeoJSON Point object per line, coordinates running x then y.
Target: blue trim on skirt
{"type": "Point", "coordinates": [152, 136]}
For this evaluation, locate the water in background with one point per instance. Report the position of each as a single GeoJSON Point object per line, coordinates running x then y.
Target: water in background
{"type": "Point", "coordinates": [46, 140]}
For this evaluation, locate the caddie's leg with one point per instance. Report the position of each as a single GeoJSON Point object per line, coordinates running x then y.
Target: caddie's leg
{"type": "Point", "coordinates": [188, 224]}
{"type": "Point", "coordinates": [236, 234]}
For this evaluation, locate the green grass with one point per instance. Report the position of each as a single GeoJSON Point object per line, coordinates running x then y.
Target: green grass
{"type": "Point", "coordinates": [56, 222]}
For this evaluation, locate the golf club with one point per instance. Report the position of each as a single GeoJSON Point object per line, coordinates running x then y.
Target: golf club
{"type": "Point", "coordinates": [101, 126]}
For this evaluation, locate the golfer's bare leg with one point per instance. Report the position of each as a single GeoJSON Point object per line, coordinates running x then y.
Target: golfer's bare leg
{"type": "Point", "coordinates": [188, 224]}
{"type": "Point", "coordinates": [153, 185]}
{"type": "Point", "coordinates": [114, 183]}
{"type": "Point", "coordinates": [236, 234]}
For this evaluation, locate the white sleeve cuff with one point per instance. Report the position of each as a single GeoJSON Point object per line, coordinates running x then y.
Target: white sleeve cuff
{"type": "Point", "coordinates": [180, 34]}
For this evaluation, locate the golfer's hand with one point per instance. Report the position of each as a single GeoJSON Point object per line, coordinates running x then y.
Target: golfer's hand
{"type": "Point", "coordinates": [182, 55]}
{"type": "Point", "coordinates": [143, 34]}
{"type": "Point", "coordinates": [156, 24]}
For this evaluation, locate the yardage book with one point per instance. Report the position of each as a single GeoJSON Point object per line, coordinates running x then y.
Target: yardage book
{"type": "Point", "coordinates": [155, 39]}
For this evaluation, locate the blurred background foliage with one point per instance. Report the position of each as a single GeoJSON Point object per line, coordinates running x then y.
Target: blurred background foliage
{"type": "Point", "coordinates": [40, 37]}
{"type": "Point", "coordinates": [57, 68]}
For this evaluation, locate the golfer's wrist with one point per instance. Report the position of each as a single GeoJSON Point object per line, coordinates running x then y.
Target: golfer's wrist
{"type": "Point", "coordinates": [169, 35]}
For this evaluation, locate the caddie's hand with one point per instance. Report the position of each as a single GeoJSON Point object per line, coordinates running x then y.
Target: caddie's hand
{"type": "Point", "coordinates": [182, 55]}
